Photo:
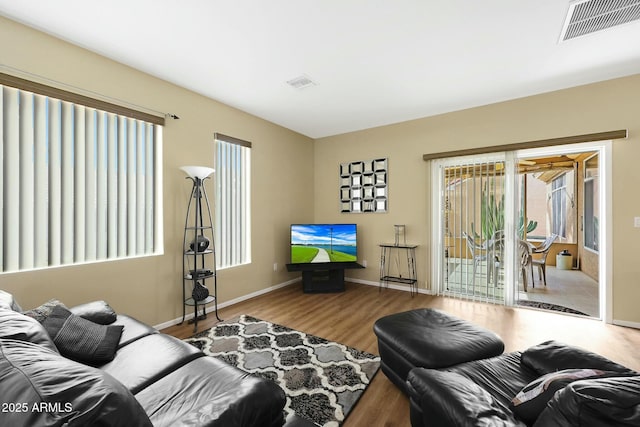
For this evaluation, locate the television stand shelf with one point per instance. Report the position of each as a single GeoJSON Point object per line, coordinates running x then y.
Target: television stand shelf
{"type": "Point", "coordinates": [323, 277]}
{"type": "Point", "coordinates": [410, 278]}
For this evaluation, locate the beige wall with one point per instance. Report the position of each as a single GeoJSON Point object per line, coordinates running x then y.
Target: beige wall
{"type": "Point", "coordinates": [150, 288]}
{"type": "Point", "coordinates": [295, 179]}
{"type": "Point", "coordinates": [605, 106]}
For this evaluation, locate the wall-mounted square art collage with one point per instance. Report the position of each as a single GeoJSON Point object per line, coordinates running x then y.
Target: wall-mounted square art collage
{"type": "Point", "coordinates": [363, 186]}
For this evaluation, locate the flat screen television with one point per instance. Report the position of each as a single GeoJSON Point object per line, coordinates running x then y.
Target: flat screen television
{"type": "Point", "coordinates": [323, 243]}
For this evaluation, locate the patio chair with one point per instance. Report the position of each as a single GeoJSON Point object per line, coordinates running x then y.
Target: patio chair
{"type": "Point", "coordinates": [541, 262]}
{"type": "Point", "coordinates": [524, 258]}
{"type": "Point", "coordinates": [478, 253]}
{"type": "Point", "coordinates": [490, 251]}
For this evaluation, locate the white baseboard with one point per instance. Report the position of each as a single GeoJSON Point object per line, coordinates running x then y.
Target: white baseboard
{"type": "Point", "coordinates": [390, 285]}
{"type": "Point", "coordinates": [211, 308]}
{"type": "Point", "coordinates": [635, 325]}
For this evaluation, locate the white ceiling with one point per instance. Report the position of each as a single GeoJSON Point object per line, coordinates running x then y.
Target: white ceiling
{"type": "Point", "coordinates": [375, 62]}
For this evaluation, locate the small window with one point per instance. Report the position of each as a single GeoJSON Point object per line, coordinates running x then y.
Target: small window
{"type": "Point", "coordinates": [559, 206]}
{"type": "Point", "coordinates": [77, 184]}
{"type": "Point", "coordinates": [591, 205]}
{"type": "Point", "coordinates": [233, 201]}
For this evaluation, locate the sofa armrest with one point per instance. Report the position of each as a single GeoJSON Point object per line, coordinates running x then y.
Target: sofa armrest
{"type": "Point", "coordinates": [8, 301]}
{"type": "Point", "coordinates": [597, 402]}
{"type": "Point", "coordinates": [442, 399]}
{"type": "Point", "coordinates": [551, 356]}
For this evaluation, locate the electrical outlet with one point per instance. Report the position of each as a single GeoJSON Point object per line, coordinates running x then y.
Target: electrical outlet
{"type": "Point", "coordinates": [275, 266]}
{"type": "Point", "coordinates": [636, 222]}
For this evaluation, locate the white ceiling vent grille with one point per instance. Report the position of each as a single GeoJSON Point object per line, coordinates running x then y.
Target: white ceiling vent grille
{"type": "Point", "coordinates": [589, 16]}
{"type": "Point", "coordinates": [302, 82]}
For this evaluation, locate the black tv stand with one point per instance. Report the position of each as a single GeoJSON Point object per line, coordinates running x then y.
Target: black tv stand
{"type": "Point", "coordinates": [323, 277]}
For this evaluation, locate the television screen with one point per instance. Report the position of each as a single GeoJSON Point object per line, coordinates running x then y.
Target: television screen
{"type": "Point", "coordinates": [317, 243]}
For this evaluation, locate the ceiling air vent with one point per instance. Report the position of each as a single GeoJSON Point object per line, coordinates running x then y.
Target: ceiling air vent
{"type": "Point", "coordinates": [301, 82]}
{"type": "Point", "coordinates": [589, 16]}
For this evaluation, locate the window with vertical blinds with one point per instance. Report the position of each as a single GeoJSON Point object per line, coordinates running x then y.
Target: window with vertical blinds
{"type": "Point", "coordinates": [77, 184]}
{"type": "Point", "coordinates": [233, 197]}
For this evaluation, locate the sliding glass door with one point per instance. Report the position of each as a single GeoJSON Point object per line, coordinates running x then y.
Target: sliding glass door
{"type": "Point", "coordinates": [522, 226]}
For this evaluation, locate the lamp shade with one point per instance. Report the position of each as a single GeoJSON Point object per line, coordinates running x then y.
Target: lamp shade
{"type": "Point", "coordinates": [200, 172]}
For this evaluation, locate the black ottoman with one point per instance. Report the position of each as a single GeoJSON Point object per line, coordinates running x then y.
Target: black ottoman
{"type": "Point", "coordinates": [430, 338]}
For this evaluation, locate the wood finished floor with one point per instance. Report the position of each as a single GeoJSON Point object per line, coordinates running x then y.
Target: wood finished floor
{"type": "Point", "coordinates": [348, 318]}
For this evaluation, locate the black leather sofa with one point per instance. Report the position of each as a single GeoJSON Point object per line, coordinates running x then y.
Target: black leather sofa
{"type": "Point", "coordinates": [481, 392]}
{"type": "Point", "coordinates": [151, 379]}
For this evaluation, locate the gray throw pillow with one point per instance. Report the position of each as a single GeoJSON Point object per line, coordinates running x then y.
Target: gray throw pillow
{"type": "Point", "coordinates": [80, 339]}
{"type": "Point", "coordinates": [96, 311]}
{"type": "Point", "coordinates": [42, 312]}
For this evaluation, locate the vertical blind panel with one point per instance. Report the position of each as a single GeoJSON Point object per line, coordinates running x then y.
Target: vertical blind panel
{"type": "Point", "coordinates": [232, 195]}
{"type": "Point", "coordinates": [78, 184]}
{"type": "Point", "coordinates": [471, 193]}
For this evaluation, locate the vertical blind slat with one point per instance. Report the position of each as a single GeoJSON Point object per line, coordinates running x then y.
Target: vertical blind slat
{"type": "Point", "coordinates": [112, 187]}
{"type": "Point", "coordinates": [131, 188]}
{"type": "Point", "coordinates": [55, 183]}
{"type": "Point", "coordinates": [101, 186]}
{"type": "Point", "coordinates": [26, 181]}
{"type": "Point", "coordinates": [79, 221]}
{"type": "Point", "coordinates": [140, 187]}
{"type": "Point", "coordinates": [41, 184]}
{"type": "Point", "coordinates": [122, 187]}
{"type": "Point", "coordinates": [67, 184]}
{"type": "Point", "coordinates": [11, 223]}
{"type": "Point", "coordinates": [2, 145]}
{"type": "Point", "coordinates": [91, 211]}
{"type": "Point", "coordinates": [148, 191]}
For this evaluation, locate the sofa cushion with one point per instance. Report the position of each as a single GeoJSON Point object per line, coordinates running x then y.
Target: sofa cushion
{"type": "Point", "coordinates": [209, 392]}
{"type": "Point", "coordinates": [502, 376]}
{"type": "Point", "coordinates": [96, 311]}
{"type": "Point", "coordinates": [80, 339]}
{"type": "Point", "coordinates": [533, 398]}
{"type": "Point", "coordinates": [56, 391]}
{"type": "Point", "coordinates": [145, 360]}
{"type": "Point", "coordinates": [133, 329]}
{"type": "Point", "coordinates": [17, 326]}
{"type": "Point", "coordinates": [613, 401]}
{"type": "Point", "coordinates": [449, 399]}
{"type": "Point", "coordinates": [552, 356]}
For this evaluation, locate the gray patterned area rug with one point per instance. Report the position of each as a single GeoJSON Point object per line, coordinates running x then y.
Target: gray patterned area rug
{"type": "Point", "coordinates": [549, 306]}
{"type": "Point", "coordinates": [322, 379]}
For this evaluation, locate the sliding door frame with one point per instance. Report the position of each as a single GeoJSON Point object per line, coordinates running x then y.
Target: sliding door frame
{"type": "Point", "coordinates": [604, 149]}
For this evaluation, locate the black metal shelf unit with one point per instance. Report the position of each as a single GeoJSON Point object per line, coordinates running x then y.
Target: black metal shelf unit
{"type": "Point", "coordinates": [410, 278]}
{"type": "Point", "coordinates": [199, 255]}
